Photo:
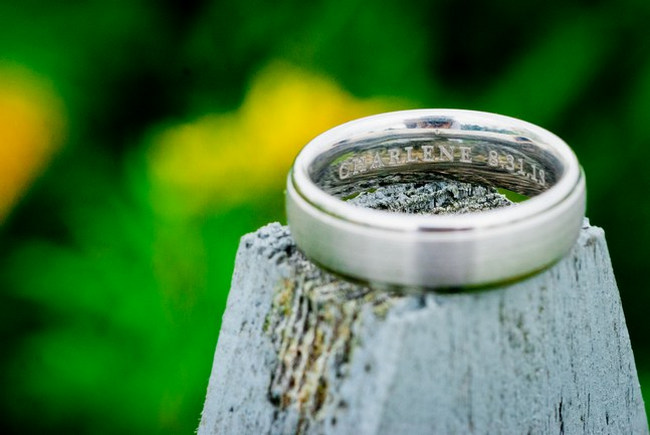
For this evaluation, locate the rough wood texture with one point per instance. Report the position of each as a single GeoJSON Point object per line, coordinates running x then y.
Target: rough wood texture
{"type": "Point", "coordinates": [301, 351]}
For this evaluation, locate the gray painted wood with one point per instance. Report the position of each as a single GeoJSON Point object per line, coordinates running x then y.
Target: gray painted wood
{"type": "Point", "coordinates": [301, 351]}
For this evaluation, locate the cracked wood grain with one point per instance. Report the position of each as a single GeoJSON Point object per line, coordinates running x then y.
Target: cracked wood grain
{"type": "Point", "coordinates": [303, 351]}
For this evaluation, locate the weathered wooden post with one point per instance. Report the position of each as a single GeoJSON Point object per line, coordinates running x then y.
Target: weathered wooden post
{"type": "Point", "coordinates": [301, 351]}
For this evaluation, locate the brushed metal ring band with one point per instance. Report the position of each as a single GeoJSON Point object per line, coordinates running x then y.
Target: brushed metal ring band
{"type": "Point", "coordinates": [436, 251]}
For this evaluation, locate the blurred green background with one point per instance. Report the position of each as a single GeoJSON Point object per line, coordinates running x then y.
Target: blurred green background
{"type": "Point", "coordinates": [139, 140]}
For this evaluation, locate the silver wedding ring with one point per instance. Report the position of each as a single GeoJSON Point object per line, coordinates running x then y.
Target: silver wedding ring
{"type": "Point", "coordinates": [436, 251]}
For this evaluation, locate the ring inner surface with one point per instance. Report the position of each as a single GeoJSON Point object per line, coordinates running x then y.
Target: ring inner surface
{"type": "Point", "coordinates": [503, 161]}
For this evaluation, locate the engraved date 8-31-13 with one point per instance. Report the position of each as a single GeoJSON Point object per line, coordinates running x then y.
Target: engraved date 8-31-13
{"type": "Point", "coordinates": [423, 154]}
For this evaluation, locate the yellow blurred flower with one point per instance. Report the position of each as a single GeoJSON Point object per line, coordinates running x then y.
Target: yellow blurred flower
{"type": "Point", "coordinates": [220, 160]}
{"type": "Point", "coordinates": [31, 130]}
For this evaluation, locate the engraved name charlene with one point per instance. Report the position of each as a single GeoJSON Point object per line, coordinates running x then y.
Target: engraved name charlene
{"type": "Point", "coordinates": [407, 155]}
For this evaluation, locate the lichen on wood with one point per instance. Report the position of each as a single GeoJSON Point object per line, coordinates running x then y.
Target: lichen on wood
{"type": "Point", "coordinates": [303, 351]}
{"type": "Point", "coordinates": [313, 315]}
